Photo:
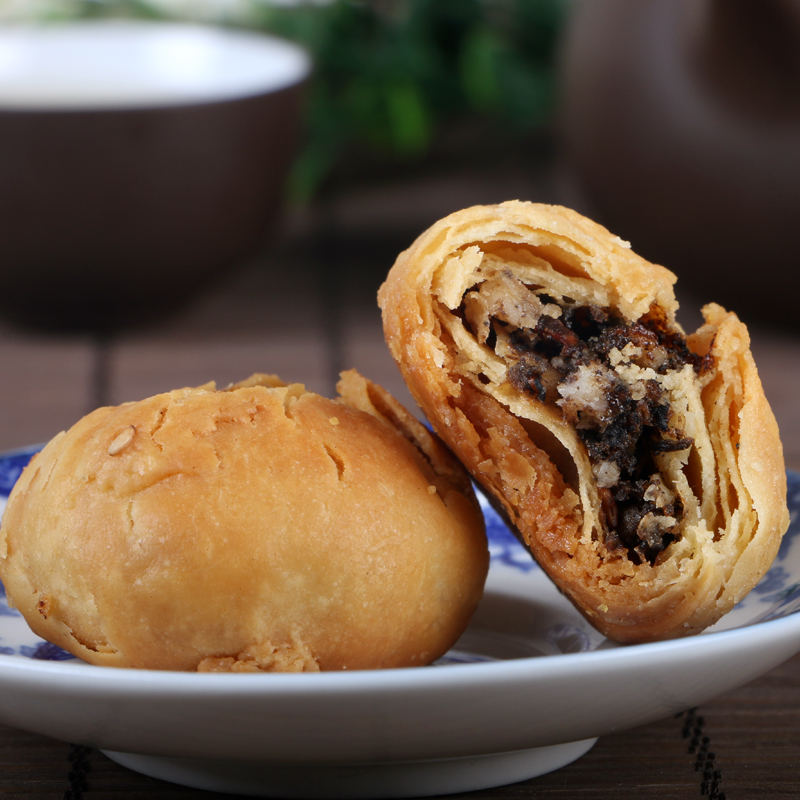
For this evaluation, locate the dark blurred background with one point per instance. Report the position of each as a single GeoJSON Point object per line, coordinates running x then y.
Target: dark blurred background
{"type": "Point", "coordinates": [676, 123]}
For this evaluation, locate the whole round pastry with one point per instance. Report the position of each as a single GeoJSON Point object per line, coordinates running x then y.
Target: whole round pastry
{"type": "Point", "coordinates": [261, 527]}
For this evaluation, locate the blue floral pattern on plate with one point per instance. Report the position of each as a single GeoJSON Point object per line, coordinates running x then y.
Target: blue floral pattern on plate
{"type": "Point", "coordinates": [11, 466]}
{"type": "Point", "coordinates": [779, 589]}
{"type": "Point", "coordinates": [777, 595]}
{"type": "Point", "coordinates": [504, 547]}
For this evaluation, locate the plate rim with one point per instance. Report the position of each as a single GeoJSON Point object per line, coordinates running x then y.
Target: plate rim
{"type": "Point", "coordinates": [349, 680]}
{"type": "Point", "coordinates": [77, 671]}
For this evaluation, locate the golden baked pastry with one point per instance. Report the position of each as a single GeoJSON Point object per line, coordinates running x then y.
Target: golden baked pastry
{"type": "Point", "coordinates": [261, 527]}
{"type": "Point", "coordinates": [642, 467]}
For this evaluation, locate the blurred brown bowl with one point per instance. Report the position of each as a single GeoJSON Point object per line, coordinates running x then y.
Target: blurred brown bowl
{"type": "Point", "coordinates": [680, 126]}
{"type": "Point", "coordinates": [137, 162]}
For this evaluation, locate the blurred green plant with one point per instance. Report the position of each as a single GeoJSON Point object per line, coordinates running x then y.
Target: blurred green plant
{"type": "Point", "coordinates": [389, 73]}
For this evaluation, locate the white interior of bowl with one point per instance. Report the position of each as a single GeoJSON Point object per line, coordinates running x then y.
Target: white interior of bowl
{"type": "Point", "coordinates": [127, 64]}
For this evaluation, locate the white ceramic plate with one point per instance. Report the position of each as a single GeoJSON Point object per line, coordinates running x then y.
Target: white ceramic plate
{"type": "Point", "coordinates": [526, 690]}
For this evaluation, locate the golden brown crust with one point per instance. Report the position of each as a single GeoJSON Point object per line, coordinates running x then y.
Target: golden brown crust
{"type": "Point", "coordinates": [259, 528]}
{"type": "Point", "coordinates": [731, 484]}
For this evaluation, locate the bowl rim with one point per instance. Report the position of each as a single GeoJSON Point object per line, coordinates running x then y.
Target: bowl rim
{"type": "Point", "coordinates": [131, 64]}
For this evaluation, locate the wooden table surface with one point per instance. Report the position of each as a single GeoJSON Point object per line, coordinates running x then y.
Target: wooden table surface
{"type": "Point", "coordinates": [305, 309]}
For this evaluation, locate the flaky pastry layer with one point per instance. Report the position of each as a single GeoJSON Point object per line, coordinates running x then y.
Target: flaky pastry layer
{"type": "Point", "coordinates": [643, 468]}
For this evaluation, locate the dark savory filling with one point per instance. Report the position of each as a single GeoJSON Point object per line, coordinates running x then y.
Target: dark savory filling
{"type": "Point", "coordinates": [567, 354]}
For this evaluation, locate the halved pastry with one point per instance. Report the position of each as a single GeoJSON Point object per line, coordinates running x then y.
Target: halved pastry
{"type": "Point", "coordinates": [642, 467]}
